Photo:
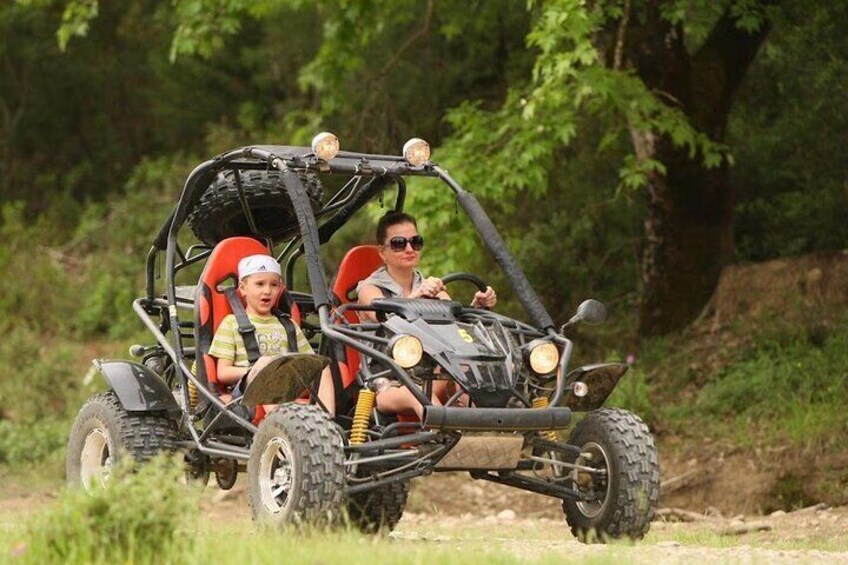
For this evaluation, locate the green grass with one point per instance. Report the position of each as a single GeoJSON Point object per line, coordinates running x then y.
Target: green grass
{"type": "Point", "coordinates": [148, 517]}
{"type": "Point", "coordinates": [789, 384]}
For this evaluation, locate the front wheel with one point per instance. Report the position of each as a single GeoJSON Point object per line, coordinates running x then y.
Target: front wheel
{"type": "Point", "coordinates": [620, 477]}
{"type": "Point", "coordinates": [104, 433]}
{"type": "Point", "coordinates": [295, 473]}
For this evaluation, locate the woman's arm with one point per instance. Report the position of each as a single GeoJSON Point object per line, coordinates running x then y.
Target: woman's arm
{"type": "Point", "coordinates": [367, 293]}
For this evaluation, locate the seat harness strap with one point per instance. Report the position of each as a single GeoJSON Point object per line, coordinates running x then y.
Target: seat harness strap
{"type": "Point", "coordinates": [288, 324]}
{"type": "Point", "coordinates": [245, 328]}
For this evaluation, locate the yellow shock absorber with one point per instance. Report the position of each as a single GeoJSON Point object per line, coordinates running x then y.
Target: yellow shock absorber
{"type": "Point", "coordinates": [542, 402]}
{"type": "Point", "coordinates": [192, 396]}
{"type": "Point", "coordinates": [362, 416]}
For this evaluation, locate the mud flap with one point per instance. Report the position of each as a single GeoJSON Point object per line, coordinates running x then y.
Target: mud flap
{"type": "Point", "coordinates": [137, 387]}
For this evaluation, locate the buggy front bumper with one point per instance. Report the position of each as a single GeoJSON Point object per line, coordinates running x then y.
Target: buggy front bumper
{"type": "Point", "coordinates": [497, 419]}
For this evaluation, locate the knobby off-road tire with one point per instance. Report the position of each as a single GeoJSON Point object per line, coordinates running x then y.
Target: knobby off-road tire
{"type": "Point", "coordinates": [104, 434]}
{"type": "Point", "coordinates": [295, 473]}
{"type": "Point", "coordinates": [620, 443]}
{"type": "Point", "coordinates": [219, 213]}
{"type": "Point", "coordinates": [378, 510]}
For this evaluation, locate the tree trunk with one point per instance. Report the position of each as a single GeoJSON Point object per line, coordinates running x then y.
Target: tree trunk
{"type": "Point", "coordinates": [689, 216]}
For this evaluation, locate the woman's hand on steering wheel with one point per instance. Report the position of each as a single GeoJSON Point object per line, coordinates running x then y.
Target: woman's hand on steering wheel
{"type": "Point", "coordinates": [485, 299]}
{"type": "Point", "coordinates": [430, 288]}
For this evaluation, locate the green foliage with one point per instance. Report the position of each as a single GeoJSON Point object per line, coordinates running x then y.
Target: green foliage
{"type": "Point", "coordinates": [40, 372]}
{"type": "Point", "coordinates": [636, 393]}
{"type": "Point", "coordinates": [42, 442]}
{"type": "Point", "coordinates": [780, 373]}
{"type": "Point", "coordinates": [76, 20]}
{"type": "Point", "coordinates": [789, 385]}
{"type": "Point", "coordinates": [788, 134]}
{"type": "Point", "coordinates": [143, 516]}
{"type": "Point", "coordinates": [34, 277]}
{"type": "Point", "coordinates": [204, 25]}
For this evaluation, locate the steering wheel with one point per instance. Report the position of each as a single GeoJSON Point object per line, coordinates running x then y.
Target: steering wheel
{"type": "Point", "coordinates": [473, 279]}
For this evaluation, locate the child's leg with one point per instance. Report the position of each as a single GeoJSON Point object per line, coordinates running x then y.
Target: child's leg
{"type": "Point", "coordinates": [394, 400]}
{"type": "Point", "coordinates": [443, 390]}
{"type": "Point", "coordinates": [326, 391]}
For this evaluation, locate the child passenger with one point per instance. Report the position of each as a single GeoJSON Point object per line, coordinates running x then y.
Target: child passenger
{"type": "Point", "coordinates": [260, 284]}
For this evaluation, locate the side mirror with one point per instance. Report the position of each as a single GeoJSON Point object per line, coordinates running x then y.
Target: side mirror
{"type": "Point", "coordinates": [590, 311]}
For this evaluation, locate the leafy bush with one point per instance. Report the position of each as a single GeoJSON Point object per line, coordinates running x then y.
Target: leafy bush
{"type": "Point", "coordinates": [140, 518]}
{"type": "Point", "coordinates": [790, 384]}
{"type": "Point", "coordinates": [40, 374]}
{"type": "Point", "coordinates": [27, 442]}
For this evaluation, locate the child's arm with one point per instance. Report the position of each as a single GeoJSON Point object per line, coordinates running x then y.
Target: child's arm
{"type": "Point", "coordinates": [223, 349]}
{"type": "Point", "coordinates": [228, 373]}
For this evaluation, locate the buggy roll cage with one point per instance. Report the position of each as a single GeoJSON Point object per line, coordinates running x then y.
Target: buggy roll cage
{"type": "Point", "coordinates": [380, 169]}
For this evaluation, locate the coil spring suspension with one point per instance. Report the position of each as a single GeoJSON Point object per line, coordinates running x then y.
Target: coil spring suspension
{"type": "Point", "coordinates": [192, 396]}
{"type": "Point", "coordinates": [362, 416]}
{"type": "Point", "coordinates": [542, 402]}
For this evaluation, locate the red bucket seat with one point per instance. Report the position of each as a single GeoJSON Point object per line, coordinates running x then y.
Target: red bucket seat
{"type": "Point", "coordinates": [211, 304]}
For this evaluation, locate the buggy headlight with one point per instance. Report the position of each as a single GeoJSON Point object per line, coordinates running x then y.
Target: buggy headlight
{"type": "Point", "coordinates": [544, 358]}
{"type": "Point", "coordinates": [406, 350]}
{"type": "Point", "coordinates": [416, 152]}
{"type": "Point", "coordinates": [325, 145]}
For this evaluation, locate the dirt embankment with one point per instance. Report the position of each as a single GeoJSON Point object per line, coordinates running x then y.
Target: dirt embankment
{"type": "Point", "coordinates": [808, 293]}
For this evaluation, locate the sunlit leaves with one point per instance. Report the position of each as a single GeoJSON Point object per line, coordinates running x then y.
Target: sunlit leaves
{"type": "Point", "coordinates": [204, 25]}
{"type": "Point", "coordinates": [75, 20]}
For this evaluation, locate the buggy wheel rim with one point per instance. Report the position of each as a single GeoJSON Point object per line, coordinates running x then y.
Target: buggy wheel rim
{"type": "Point", "coordinates": [276, 475]}
{"type": "Point", "coordinates": [600, 484]}
{"type": "Point", "coordinates": [95, 459]}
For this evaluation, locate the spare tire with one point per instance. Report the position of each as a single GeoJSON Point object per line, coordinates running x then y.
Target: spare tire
{"type": "Point", "coordinates": [219, 213]}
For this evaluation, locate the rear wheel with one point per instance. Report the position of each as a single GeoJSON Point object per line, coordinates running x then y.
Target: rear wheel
{"type": "Point", "coordinates": [379, 509]}
{"type": "Point", "coordinates": [104, 434]}
{"type": "Point", "coordinates": [623, 489]}
{"type": "Point", "coordinates": [295, 472]}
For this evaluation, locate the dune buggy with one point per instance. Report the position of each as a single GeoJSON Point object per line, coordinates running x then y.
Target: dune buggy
{"type": "Point", "coordinates": [304, 466]}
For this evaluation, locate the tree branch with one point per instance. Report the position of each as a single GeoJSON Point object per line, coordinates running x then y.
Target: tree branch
{"type": "Point", "coordinates": [620, 36]}
{"type": "Point", "coordinates": [424, 30]}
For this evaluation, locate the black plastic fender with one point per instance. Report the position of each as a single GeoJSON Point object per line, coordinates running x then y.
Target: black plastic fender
{"type": "Point", "coordinates": [138, 388]}
{"type": "Point", "coordinates": [601, 379]}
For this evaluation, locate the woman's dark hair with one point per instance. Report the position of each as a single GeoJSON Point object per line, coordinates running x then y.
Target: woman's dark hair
{"type": "Point", "coordinates": [392, 218]}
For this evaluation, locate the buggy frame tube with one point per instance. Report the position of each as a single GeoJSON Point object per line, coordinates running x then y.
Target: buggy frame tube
{"type": "Point", "coordinates": [498, 248]}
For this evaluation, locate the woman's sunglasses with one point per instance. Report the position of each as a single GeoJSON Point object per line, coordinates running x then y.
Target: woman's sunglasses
{"type": "Point", "coordinates": [399, 243]}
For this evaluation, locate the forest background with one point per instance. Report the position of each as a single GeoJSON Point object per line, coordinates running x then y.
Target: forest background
{"type": "Point", "coordinates": [628, 150]}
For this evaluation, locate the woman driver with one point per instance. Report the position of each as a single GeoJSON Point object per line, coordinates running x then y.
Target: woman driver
{"type": "Point", "coordinates": [400, 249]}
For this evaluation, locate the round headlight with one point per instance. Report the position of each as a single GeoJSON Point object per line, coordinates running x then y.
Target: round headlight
{"type": "Point", "coordinates": [416, 152]}
{"type": "Point", "coordinates": [544, 358]}
{"type": "Point", "coordinates": [406, 350]}
{"type": "Point", "coordinates": [325, 145]}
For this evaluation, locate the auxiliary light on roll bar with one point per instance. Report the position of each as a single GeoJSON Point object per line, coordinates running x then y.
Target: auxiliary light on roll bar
{"type": "Point", "coordinates": [416, 151]}
{"type": "Point", "coordinates": [325, 145]}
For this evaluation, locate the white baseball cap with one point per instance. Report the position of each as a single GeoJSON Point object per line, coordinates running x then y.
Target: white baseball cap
{"type": "Point", "coordinates": [253, 264]}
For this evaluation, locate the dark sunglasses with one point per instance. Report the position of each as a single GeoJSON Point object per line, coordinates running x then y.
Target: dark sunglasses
{"type": "Point", "coordinates": [399, 243]}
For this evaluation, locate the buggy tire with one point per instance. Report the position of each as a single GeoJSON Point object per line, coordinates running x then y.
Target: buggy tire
{"type": "Point", "coordinates": [219, 213]}
{"type": "Point", "coordinates": [378, 510]}
{"type": "Point", "coordinates": [104, 434]}
{"type": "Point", "coordinates": [295, 474]}
{"type": "Point", "coordinates": [622, 444]}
